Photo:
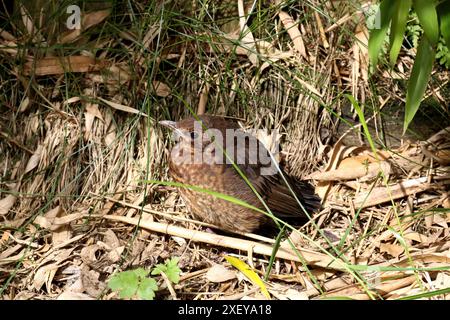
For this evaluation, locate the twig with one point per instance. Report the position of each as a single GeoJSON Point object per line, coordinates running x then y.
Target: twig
{"type": "Point", "coordinates": [169, 286]}
{"type": "Point", "coordinates": [311, 257]}
{"type": "Point", "coordinates": [181, 219]}
{"type": "Point", "coordinates": [323, 37]}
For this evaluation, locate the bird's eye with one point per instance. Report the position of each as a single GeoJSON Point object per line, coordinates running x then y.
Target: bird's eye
{"type": "Point", "coordinates": [194, 135]}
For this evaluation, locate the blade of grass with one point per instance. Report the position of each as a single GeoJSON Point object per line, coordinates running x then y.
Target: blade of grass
{"type": "Point", "coordinates": [418, 81]}
{"type": "Point", "coordinates": [426, 12]}
{"type": "Point", "coordinates": [398, 28]}
{"type": "Point", "coordinates": [377, 35]}
{"type": "Point", "coordinates": [276, 246]}
{"type": "Point", "coordinates": [443, 10]}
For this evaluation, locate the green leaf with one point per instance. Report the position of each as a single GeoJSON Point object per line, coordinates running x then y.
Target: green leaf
{"type": "Point", "coordinates": [125, 283]}
{"type": "Point", "coordinates": [377, 36]}
{"type": "Point", "coordinates": [170, 269]}
{"type": "Point", "coordinates": [173, 271]}
{"type": "Point", "coordinates": [443, 11]}
{"type": "Point", "coordinates": [398, 28]}
{"type": "Point", "coordinates": [426, 12]}
{"type": "Point", "coordinates": [275, 248]}
{"type": "Point", "coordinates": [419, 79]}
{"type": "Point", "coordinates": [133, 283]}
{"type": "Point", "coordinates": [147, 289]}
{"type": "Point", "coordinates": [443, 54]}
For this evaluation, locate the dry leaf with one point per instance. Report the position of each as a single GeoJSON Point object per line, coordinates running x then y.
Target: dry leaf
{"type": "Point", "coordinates": [442, 281]}
{"type": "Point", "coordinates": [60, 65]}
{"type": "Point", "coordinates": [218, 273]}
{"type": "Point", "coordinates": [61, 235]}
{"type": "Point", "coordinates": [93, 18]}
{"type": "Point", "coordinates": [121, 107]}
{"type": "Point", "coordinates": [393, 249]}
{"type": "Point", "coordinates": [247, 41]}
{"type": "Point", "coordinates": [293, 32]}
{"type": "Point", "coordinates": [111, 239]}
{"type": "Point", "coordinates": [415, 236]}
{"type": "Point", "coordinates": [93, 255]}
{"type": "Point", "coordinates": [352, 168]}
{"type": "Point", "coordinates": [34, 159]}
{"type": "Point", "coordinates": [384, 194]}
{"type": "Point", "coordinates": [362, 43]}
{"type": "Point", "coordinates": [29, 24]}
{"type": "Point", "coordinates": [88, 20]}
{"type": "Point", "coordinates": [7, 203]}
{"type": "Point", "coordinates": [24, 104]}
{"type": "Point", "coordinates": [69, 295]}
{"type": "Point", "coordinates": [90, 279]}
{"type": "Point", "coordinates": [43, 275]}
{"type": "Point", "coordinates": [292, 294]}
{"type": "Point", "coordinates": [162, 89]}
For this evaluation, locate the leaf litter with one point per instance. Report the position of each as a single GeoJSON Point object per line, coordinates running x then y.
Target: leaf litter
{"type": "Point", "coordinates": [71, 197]}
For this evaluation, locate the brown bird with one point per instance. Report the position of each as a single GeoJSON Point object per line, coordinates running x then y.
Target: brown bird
{"type": "Point", "coordinates": [203, 157]}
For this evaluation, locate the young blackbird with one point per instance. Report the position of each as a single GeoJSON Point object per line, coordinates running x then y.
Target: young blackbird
{"type": "Point", "coordinates": [202, 157]}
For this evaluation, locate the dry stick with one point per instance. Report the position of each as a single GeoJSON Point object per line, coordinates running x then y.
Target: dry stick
{"type": "Point", "coordinates": [293, 32]}
{"type": "Point", "coordinates": [181, 219]}
{"type": "Point", "coordinates": [311, 257]}
{"type": "Point", "coordinates": [203, 100]}
{"type": "Point", "coordinates": [321, 31]}
{"type": "Point", "coordinates": [402, 189]}
{"type": "Point", "coordinates": [169, 286]}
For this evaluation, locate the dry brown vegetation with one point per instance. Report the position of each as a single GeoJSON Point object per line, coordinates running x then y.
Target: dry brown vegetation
{"type": "Point", "coordinates": [79, 139]}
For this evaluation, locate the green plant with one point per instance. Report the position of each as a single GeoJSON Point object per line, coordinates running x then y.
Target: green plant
{"type": "Point", "coordinates": [170, 269]}
{"type": "Point", "coordinates": [443, 54]}
{"type": "Point", "coordinates": [414, 31]}
{"type": "Point", "coordinates": [434, 18]}
{"type": "Point", "coordinates": [136, 283]}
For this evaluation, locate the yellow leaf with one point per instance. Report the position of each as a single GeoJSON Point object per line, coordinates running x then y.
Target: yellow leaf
{"type": "Point", "coordinates": [249, 273]}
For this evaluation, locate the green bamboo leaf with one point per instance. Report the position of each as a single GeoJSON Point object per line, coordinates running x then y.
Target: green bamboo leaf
{"type": "Point", "coordinates": [443, 11]}
{"type": "Point", "coordinates": [377, 35]}
{"type": "Point", "coordinates": [426, 12]}
{"type": "Point", "coordinates": [419, 79]}
{"type": "Point", "coordinates": [398, 28]}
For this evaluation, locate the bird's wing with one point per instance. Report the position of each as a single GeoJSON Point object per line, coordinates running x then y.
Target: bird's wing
{"type": "Point", "coordinates": [284, 200]}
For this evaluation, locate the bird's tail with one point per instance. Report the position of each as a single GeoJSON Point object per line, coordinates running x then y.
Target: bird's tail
{"type": "Point", "coordinates": [311, 201]}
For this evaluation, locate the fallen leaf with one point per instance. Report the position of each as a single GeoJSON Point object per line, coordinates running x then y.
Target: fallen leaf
{"type": "Point", "coordinates": [218, 273]}
{"type": "Point", "coordinates": [162, 89]}
{"type": "Point", "coordinates": [121, 107]}
{"type": "Point", "coordinates": [61, 65]}
{"type": "Point", "coordinates": [384, 194]}
{"type": "Point", "coordinates": [34, 159]}
{"type": "Point", "coordinates": [393, 249]}
{"type": "Point", "coordinates": [247, 41]}
{"type": "Point", "coordinates": [415, 236]}
{"type": "Point", "coordinates": [69, 295]}
{"type": "Point", "coordinates": [7, 203]}
{"type": "Point", "coordinates": [24, 104]}
{"type": "Point", "coordinates": [249, 273]}
{"type": "Point", "coordinates": [294, 33]}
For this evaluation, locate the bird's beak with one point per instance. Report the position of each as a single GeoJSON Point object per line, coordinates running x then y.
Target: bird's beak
{"type": "Point", "coordinates": [173, 126]}
{"type": "Point", "coordinates": [169, 124]}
